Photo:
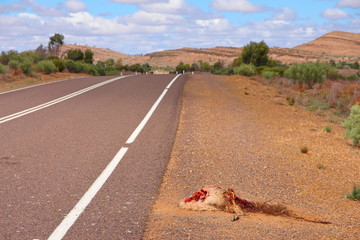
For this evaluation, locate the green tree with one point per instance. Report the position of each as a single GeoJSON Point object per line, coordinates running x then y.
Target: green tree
{"type": "Point", "coordinates": [89, 56]}
{"type": "Point", "coordinates": [356, 65]}
{"type": "Point", "coordinates": [352, 125]}
{"type": "Point", "coordinates": [205, 67]}
{"type": "Point", "coordinates": [56, 41]}
{"type": "Point", "coordinates": [255, 54]}
{"type": "Point", "coordinates": [75, 55]}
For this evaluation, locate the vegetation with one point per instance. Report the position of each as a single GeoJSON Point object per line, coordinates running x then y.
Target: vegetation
{"type": "Point", "coordinates": [304, 150]}
{"type": "Point", "coordinates": [308, 73]}
{"type": "Point", "coordinates": [327, 129]}
{"type": "Point", "coordinates": [255, 54]}
{"type": "Point", "coordinates": [245, 70]}
{"type": "Point", "coordinates": [355, 194]}
{"type": "Point", "coordinates": [352, 125]}
{"type": "Point", "coordinates": [3, 69]}
{"type": "Point", "coordinates": [46, 66]}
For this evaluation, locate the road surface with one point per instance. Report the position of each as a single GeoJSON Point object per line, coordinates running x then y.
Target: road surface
{"type": "Point", "coordinates": [57, 144]}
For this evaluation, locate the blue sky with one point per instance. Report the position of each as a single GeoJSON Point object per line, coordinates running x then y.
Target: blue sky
{"type": "Point", "coordinates": [144, 26]}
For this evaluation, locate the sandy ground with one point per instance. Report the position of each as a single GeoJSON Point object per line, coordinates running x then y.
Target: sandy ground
{"type": "Point", "coordinates": [235, 132]}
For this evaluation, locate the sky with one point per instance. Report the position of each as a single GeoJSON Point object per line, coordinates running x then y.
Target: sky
{"type": "Point", "coordinates": [145, 26]}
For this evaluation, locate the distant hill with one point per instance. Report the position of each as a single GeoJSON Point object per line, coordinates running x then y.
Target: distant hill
{"type": "Point", "coordinates": [337, 45]}
{"type": "Point", "coordinates": [334, 43]}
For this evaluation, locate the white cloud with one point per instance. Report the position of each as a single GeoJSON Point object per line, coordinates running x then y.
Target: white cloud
{"type": "Point", "coordinates": [349, 3]}
{"type": "Point", "coordinates": [171, 6]}
{"type": "Point", "coordinates": [146, 18]}
{"type": "Point", "coordinates": [43, 10]}
{"type": "Point", "coordinates": [236, 6]}
{"type": "Point", "coordinates": [286, 14]}
{"type": "Point", "coordinates": [216, 24]}
{"type": "Point", "coordinates": [13, 7]}
{"type": "Point", "coordinates": [75, 6]}
{"type": "Point", "coordinates": [335, 13]}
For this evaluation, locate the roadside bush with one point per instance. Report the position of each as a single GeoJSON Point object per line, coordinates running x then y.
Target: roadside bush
{"type": "Point", "coordinates": [3, 69]}
{"type": "Point", "coordinates": [75, 55]}
{"type": "Point", "coordinates": [59, 64]}
{"type": "Point", "coordinates": [46, 66]}
{"type": "Point", "coordinates": [269, 74]}
{"type": "Point", "coordinates": [224, 71]}
{"type": "Point", "coordinates": [245, 70]}
{"type": "Point", "coordinates": [352, 125]}
{"type": "Point", "coordinates": [308, 73]}
{"type": "Point", "coordinates": [72, 66]}
{"type": "Point", "coordinates": [14, 64]}
{"type": "Point", "coordinates": [89, 69]}
{"type": "Point", "coordinates": [26, 66]}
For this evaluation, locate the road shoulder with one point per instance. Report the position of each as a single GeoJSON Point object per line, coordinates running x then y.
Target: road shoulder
{"type": "Point", "coordinates": [235, 132]}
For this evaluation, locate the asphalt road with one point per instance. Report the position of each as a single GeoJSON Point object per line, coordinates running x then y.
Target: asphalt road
{"type": "Point", "coordinates": [51, 157]}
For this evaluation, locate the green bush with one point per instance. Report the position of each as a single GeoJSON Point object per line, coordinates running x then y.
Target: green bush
{"type": "Point", "coordinates": [352, 125]}
{"type": "Point", "coordinates": [14, 64]}
{"type": "Point", "coordinates": [355, 194]}
{"type": "Point", "coordinates": [59, 64]}
{"type": "Point", "coordinates": [255, 53]}
{"type": "Point", "coordinates": [269, 74]}
{"type": "Point", "coordinates": [26, 66]}
{"type": "Point", "coordinates": [308, 73]}
{"type": "Point", "coordinates": [46, 66]}
{"type": "Point", "coordinates": [75, 55]}
{"type": "Point", "coordinates": [73, 67]}
{"type": "Point", "coordinates": [245, 70]}
{"type": "Point", "coordinates": [3, 69]}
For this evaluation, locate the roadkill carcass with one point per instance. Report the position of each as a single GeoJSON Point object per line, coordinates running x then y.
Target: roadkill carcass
{"type": "Point", "coordinates": [216, 198]}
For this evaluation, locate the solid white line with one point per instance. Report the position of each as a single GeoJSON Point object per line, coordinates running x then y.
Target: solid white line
{"type": "Point", "coordinates": [148, 115]}
{"type": "Point", "coordinates": [40, 84]}
{"type": "Point", "coordinates": [71, 218]}
{"type": "Point", "coordinates": [53, 102]}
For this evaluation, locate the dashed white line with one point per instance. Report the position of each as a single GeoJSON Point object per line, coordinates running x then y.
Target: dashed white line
{"type": "Point", "coordinates": [85, 200]}
{"type": "Point", "coordinates": [58, 100]}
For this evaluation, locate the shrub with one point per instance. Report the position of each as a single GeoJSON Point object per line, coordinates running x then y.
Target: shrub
{"type": "Point", "coordinates": [59, 64]}
{"type": "Point", "coordinates": [355, 194]}
{"type": "Point", "coordinates": [75, 55]}
{"type": "Point", "coordinates": [26, 66]}
{"type": "Point", "coordinates": [73, 67]}
{"type": "Point", "coordinates": [3, 69]}
{"type": "Point", "coordinates": [308, 73]}
{"type": "Point", "coordinates": [255, 53]}
{"type": "Point", "coordinates": [245, 70]}
{"type": "Point", "coordinates": [14, 64]}
{"type": "Point", "coordinates": [269, 74]}
{"type": "Point", "coordinates": [46, 66]}
{"type": "Point", "coordinates": [304, 150]}
{"type": "Point", "coordinates": [89, 56]}
{"type": "Point", "coordinates": [352, 125]}
{"type": "Point", "coordinates": [328, 129]}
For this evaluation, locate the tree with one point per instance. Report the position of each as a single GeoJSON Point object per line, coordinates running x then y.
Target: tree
{"type": "Point", "coordinates": [89, 56]}
{"type": "Point", "coordinates": [75, 55]}
{"type": "Point", "coordinates": [55, 42]}
{"type": "Point", "coordinates": [255, 54]}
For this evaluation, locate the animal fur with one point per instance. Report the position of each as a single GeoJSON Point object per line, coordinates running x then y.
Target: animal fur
{"type": "Point", "coordinates": [215, 198]}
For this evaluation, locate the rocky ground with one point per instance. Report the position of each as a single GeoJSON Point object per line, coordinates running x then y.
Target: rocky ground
{"type": "Point", "coordinates": [235, 132]}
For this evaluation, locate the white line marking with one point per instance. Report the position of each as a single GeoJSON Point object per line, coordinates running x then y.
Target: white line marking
{"type": "Point", "coordinates": [38, 85]}
{"type": "Point", "coordinates": [148, 115]}
{"type": "Point", "coordinates": [58, 100]}
{"type": "Point", "coordinates": [71, 218]}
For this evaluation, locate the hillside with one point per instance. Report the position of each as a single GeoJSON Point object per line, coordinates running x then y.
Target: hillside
{"type": "Point", "coordinates": [334, 43]}
{"type": "Point", "coordinates": [339, 46]}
